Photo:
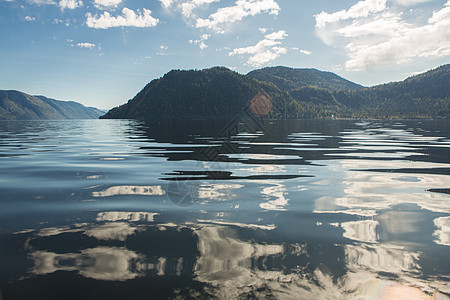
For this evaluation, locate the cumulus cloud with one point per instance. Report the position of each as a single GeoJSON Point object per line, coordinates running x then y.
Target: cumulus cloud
{"type": "Point", "coordinates": [106, 3]}
{"type": "Point", "coordinates": [201, 42]}
{"type": "Point", "coordinates": [30, 19]}
{"type": "Point", "coordinates": [411, 2]}
{"type": "Point", "coordinates": [41, 2]}
{"type": "Point", "coordinates": [224, 16]}
{"type": "Point", "coordinates": [242, 8]}
{"type": "Point", "coordinates": [166, 3]}
{"type": "Point", "coordinates": [374, 35]}
{"type": "Point", "coordinates": [86, 45]}
{"type": "Point", "coordinates": [129, 18]}
{"type": "Point", "coordinates": [70, 4]}
{"type": "Point", "coordinates": [386, 24]}
{"type": "Point", "coordinates": [187, 8]}
{"type": "Point", "coordinates": [63, 4]}
{"type": "Point", "coordinates": [264, 51]}
{"type": "Point", "coordinates": [306, 52]}
{"type": "Point", "coordinates": [360, 9]}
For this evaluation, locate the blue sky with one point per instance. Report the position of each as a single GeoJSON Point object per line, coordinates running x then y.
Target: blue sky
{"type": "Point", "coordinates": [102, 52]}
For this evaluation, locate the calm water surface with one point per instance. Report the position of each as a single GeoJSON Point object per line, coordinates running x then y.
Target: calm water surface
{"type": "Point", "coordinates": [327, 209]}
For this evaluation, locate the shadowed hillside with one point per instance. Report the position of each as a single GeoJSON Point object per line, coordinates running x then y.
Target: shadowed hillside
{"type": "Point", "coordinates": [15, 105]}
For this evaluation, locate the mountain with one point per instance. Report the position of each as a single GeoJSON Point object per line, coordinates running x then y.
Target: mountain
{"type": "Point", "coordinates": [426, 95]}
{"type": "Point", "coordinates": [211, 93]}
{"type": "Point", "coordinates": [15, 105]}
{"type": "Point", "coordinates": [294, 93]}
{"type": "Point", "coordinates": [289, 79]}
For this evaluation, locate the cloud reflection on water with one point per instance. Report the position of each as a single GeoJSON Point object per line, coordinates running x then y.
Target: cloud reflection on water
{"type": "Point", "coordinates": [130, 190]}
{"type": "Point", "coordinates": [114, 216]}
{"type": "Point", "coordinates": [232, 266]}
{"type": "Point", "coordinates": [442, 233]}
{"type": "Point", "coordinates": [216, 192]}
{"type": "Point", "coordinates": [366, 192]}
{"type": "Point", "coordinates": [101, 263]}
{"type": "Point", "coordinates": [366, 253]}
{"type": "Point", "coordinates": [275, 196]}
{"type": "Point", "coordinates": [363, 231]}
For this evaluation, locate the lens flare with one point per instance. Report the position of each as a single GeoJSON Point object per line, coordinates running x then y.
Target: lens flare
{"type": "Point", "coordinates": [261, 105]}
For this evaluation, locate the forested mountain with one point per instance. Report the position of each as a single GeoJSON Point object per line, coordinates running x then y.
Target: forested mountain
{"type": "Point", "coordinates": [426, 95]}
{"type": "Point", "coordinates": [290, 79]}
{"type": "Point", "coordinates": [295, 93]}
{"type": "Point", "coordinates": [15, 105]}
{"type": "Point", "coordinates": [211, 93]}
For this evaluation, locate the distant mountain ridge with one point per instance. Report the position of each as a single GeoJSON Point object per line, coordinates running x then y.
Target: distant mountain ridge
{"type": "Point", "coordinates": [425, 95]}
{"type": "Point", "coordinates": [15, 105]}
{"type": "Point", "coordinates": [295, 93]}
{"type": "Point", "coordinates": [289, 79]}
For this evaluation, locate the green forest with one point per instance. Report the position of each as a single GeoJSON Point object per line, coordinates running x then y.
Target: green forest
{"type": "Point", "coordinates": [295, 93]}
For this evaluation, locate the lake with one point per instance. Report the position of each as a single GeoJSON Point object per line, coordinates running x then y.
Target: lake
{"type": "Point", "coordinates": [246, 208]}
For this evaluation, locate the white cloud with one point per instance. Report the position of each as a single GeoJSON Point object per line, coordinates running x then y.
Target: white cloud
{"type": "Point", "coordinates": [201, 42]}
{"type": "Point", "coordinates": [86, 45]}
{"type": "Point", "coordinates": [128, 19]}
{"type": "Point", "coordinates": [41, 2]}
{"type": "Point", "coordinates": [306, 52]}
{"type": "Point", "coordinates": [384, 36]}
{"type": "Point", "coordinates": [70, 4]}
{"type": "Point", "coordinates": [242, 8]}
{"type": "Point", "coordinates": [264, 51]}
{"type": "Point", "coordinates": [279, 35]}
{"type": "Point", "coordinates": [163, 51]}
{"type": "Point", "coordinates": [411, 2]}
{"type": "Point", "coordinates": [360, 9]}
{"type": "Point", "coordinates": [106, 3]}
{"type": "Point", "coordinates": [224, 16]}
{"type": "Point", "coordinates": [166, 3]}
{"type": "Point", "coordinates": [386, 24]}
{"type": "Point", "coordinates": [262, 30]}
{"type": "Point", "coordinates": [187, 8]}
{"type": "Point", "coordinates": [30, 19]}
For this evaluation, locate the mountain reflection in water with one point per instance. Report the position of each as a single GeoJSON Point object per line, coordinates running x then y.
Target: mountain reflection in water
{"type": "Point", "coordinates": [324, 209]}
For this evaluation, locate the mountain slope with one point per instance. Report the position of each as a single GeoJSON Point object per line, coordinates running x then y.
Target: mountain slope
{"type": "Point", "coordinates": [72, 109]}
{"type": "Point", "coordinates": [211, 93]}
{"type": "Point", "coordinates": [290, 79]}
{"type": "Point", "coordinates": [426, 95]}
{"type": "Point", "coordinates": [15, 105]}
{"type": "Point", "coordinates": [294, 93]}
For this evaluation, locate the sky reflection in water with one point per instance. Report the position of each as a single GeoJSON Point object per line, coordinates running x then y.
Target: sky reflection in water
{"type": "Point", "coordinates": [289, 209]}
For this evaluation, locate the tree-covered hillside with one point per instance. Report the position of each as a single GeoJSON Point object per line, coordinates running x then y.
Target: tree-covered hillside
{"type": "Point", "coordinates": [211, 93]}
{"type": "Point", "coordinates": [426, 95]}
{"type": "Point", "coordinates": [290, 79]}
{"type": "Point", "coordinates": [294, 93]}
